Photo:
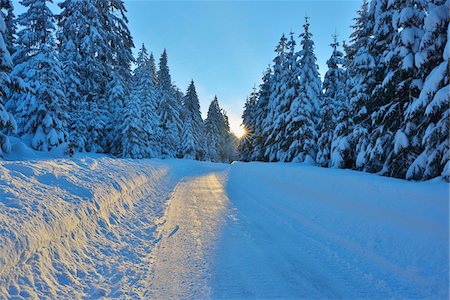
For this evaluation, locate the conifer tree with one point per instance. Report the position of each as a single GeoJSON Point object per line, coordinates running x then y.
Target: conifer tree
{"type": "Point", "coordinates": [132, 130]}
{"type": "Point", "coordinates": [302, 117]}
{"type": "Point", "coordinates": [221, 144]}
{"type": "Point", "coordinates": [430, 111]}
{"type": "Point", "coordinates": [145, 90]}
{"type": "Point", "coordinates": [288, 93]}
{"type": "Point", "coordinates": [193, 115]}
{"type": "Point", "coordinates": [277, 85]}
{"type": "Point", "coordinates": [169, 110]}
{"type": "Point", "coordinates": [41, 110]}
{"type": "Point", "coordinates": [84, 51]}
{"type": "Point", "coordinates": [248, 122]}
{"type": "Point", "coordinates": [261, 111]}
{"type": "Point", "coordinates": [188, 149]}
{"type": "Point", "coordinates": [359, 85]}
{"type": "Point", "coordinates": [331, 111]}
{"type": "Point", "coordinates": [7, 121]}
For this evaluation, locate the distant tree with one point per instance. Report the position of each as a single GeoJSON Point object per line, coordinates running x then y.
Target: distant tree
{"type": "Point", "coordinates": [193, 115]}
{"type": "Point", "coordinates": [248, 122]}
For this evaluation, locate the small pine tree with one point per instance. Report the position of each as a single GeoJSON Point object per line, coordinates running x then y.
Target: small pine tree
{"type": "Point", "coordinates": [187, 141]}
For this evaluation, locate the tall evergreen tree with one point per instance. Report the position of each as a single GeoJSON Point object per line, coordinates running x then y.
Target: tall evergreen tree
{"type": "Point", "coordinates": [7, 121]}
{"type": "Point", "coordinates": [382, 12]}
{"type": "Point", "coordinates": [261, 111]}
{"type": "Point", "coordinates": [277, 85]}
{"type": "Point", "coordinates": [84, 48]}
{"type": "Point", "coordinates": [331, 111]}
{"type": "Point", "coordinates": [289, 92]}
{"type": "Point", "coordinates": [221, 144]}
{"type": "Point", "coordinates": [194, 116]}
{"type": "Point", "coordinates": [359, 85]}
{"type": "Point", "coordinates": [303, 113]}
{"type": "Point", "coordinates": [249, 123]}
{"type": "Point", "coordinates": [41, 110]}
{"type": "Point", "coordinates": [145, 90]}
{"type": "Point", "coordinates": [132, 130]}
{"type": "Point", "coordinates": [120, 43]}
{"type": "Point", "coordinates": [169, 110]}
{"type": "Point", "coordinates": [430, 111]}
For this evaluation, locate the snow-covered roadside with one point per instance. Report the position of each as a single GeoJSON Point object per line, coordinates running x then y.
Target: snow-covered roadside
{"type": "Point", "coordinates": [298, 231]}
{"type": "Point", "coordinates": [50, 209]}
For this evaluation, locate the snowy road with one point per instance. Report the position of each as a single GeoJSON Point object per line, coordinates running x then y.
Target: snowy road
{"type": "Point", "coordinates": [181, 259]}
{"type": "Point", "coordinates": [104, 228]}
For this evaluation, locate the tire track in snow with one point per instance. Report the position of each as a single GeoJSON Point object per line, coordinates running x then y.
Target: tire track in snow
{"type": "Point", "coordinates": [181, 259]}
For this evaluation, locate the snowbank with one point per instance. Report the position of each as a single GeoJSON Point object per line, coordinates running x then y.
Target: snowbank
{"type": "Point", "coordinates": [49, 209]}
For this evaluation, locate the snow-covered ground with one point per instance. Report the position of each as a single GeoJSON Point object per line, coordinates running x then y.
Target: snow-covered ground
{"type": "Point", "coordinates": [94, 227]}
{"type": "Point", "coordinates": [302, 231]}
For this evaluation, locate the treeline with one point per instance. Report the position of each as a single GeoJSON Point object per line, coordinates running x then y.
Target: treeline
{"type": "Point", "coordinates": [66, 81]}
{"type": "Point", "coordinates": [383, 106]}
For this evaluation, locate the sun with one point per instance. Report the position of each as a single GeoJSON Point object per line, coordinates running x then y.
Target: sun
{"type": "Point", "coordinates": [239, 132]}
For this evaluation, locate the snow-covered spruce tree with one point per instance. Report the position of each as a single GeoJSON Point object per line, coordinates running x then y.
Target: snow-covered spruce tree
{"type": "Point", "coordinates": [153, 69]}
{"type": "Point", "coordinates": [7, 122]}
{"type": "Point", "coordinates": [145, 90]}
{"type": "Point", "coordinates": [245, 147]}
{"type": "Point", "coordinates": [188, 149]}
{"type": "Point", "coordinates": [400, 86]}
{"type": "Point", "coordinates": [132, 130]}
{"type": "Point", "coordinates": [359, 85]}
{"type": "Point", "coordinates": [332, 112]}
{"type": "Point", "coordinates": [303, 113]}
{"type": "Point", "coordinates": [120, 44]}
{"type": "Point", "coordinates": [41, 110]}
{"type": "Point", "coordinates": [169, 111]}
{"type": "Point", "coordinates": [430, 111]}
{"type": "Point", "coordinates": [335, 88]}
{"type": "Point", "coordinates": [382, 12]}
{"type": "Point", "coordinates": [221, 143]}
{"type": "Point", "coordinates": [84, 50]}
{"type": "Point", "coordinates": [261, 111]}
{"type": "Point", "coordinates": [10, 26]}
{"type": "Point", "coordinates": [288, 93]}
{"type": "Point", "coordinates": [277, 85]}
{"type": "Point", "coordinates": [77, 106]}
{"type": "Point", "coordinates": [194, 116]}
{"type": "Point", "coordinates": [213, 126]}
{"type": "Point", "coordinates": [229, 145]}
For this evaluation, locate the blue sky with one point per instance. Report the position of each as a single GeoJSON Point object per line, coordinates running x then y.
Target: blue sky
{"type": "Point", "coordinates": [226, 45]}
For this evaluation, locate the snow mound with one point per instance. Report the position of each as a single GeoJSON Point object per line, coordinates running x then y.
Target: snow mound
{"type": "Point", "coordinates": [50, 209]}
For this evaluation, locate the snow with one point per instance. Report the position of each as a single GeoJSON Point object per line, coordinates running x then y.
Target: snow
{"type": "Point", "coordinates": [297, 231]}
{"type": "Point", "coordinates": [92, 226]}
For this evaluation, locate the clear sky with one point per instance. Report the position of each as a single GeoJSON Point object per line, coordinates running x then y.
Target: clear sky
{"type": "Point", "coordinates": [225, 46]}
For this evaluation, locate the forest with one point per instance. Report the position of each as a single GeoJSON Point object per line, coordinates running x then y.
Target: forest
{"type": "Point", "coordinates": [383, 105]}
{"type": "Point", "coordinates": [70, 81]}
